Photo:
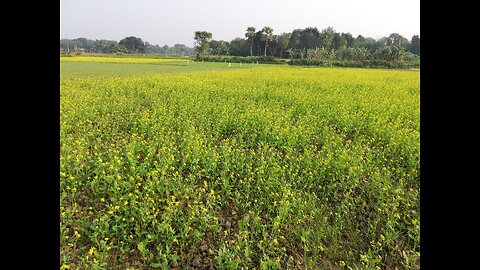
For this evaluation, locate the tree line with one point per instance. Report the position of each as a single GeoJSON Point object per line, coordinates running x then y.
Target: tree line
{"type": "Point", "coordinates": [306, 43]}
{"type": "Point", "coordinates": [310, 43]}
{"type": "Point", "coordinates": [127, 45]}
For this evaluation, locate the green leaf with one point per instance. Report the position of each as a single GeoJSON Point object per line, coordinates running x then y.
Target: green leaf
{"type": "Point", "coordinates": [141, 247]}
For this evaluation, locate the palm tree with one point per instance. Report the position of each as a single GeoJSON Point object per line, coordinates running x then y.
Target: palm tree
{"type": "Point", "coordinates": [250, 35]}
{"type": "Point", "coordinates": [267, 36]}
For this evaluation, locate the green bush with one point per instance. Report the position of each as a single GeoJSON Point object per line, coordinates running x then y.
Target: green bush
{"type": "Point", "coordinates": [358, 64]}
{"type": "Point", "coordinates": [244, 59]}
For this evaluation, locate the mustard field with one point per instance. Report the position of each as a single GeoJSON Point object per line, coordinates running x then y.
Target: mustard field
{"type": "Point", "coordinates": [206, 166]}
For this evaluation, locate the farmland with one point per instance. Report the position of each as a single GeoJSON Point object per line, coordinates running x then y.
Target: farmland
{"type": "Point", "coordinates": [175, 165]}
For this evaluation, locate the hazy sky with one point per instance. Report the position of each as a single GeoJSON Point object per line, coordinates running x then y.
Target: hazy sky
{"type": "Point", "coordinates": [169, 22]}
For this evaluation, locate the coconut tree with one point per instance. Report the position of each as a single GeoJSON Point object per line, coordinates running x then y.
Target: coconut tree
{"type": "Point", "coordinates": [250, 35]}
{"type": "Point", "coordinates": [267, 36]}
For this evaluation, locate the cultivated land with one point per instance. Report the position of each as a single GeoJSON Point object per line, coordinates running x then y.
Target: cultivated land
{"type": "Point", "coordinates": [176, 165]}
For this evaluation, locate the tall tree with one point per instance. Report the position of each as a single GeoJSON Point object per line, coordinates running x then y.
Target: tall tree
{"type": "Point", "coordinates": [180, 49]}
{"type": "Point", "coordinates": [339, 42]}
{"type": "Point", "coordinates": [219, 47]}
{"type": "Point", "coordinates": [384, 41]}
{"type": "Point", "coordinates": [349, 39]}
{"type": "Point", "coordinates": [295, 39]}
{"type": "Point", "coordinates": [202, 38]}
{"type": "Point", "coordinates": [239, 47]}
{"type": "Point", "coordinates": [250, 35]}
{"type": "Point", "coordinates": [310, 38]}
{"type": "Point", "coordinates": [267, 36]}
{"type": "Point", "coordinates": [258, 43]}
{"type": "Point", "coordinates": [370, 43]}
{"type": "Point", "coordinates": [415, 45]}
{"type": "Point", "coordinates": [283, 41]}
{"type": "Point", "coordinates": [327, 36]}
{"type": "Point", "coordinates": [132, 44]}
{"type": "Point", "coordinates": [165, 48]}
{"type": "Point", "coordinates": [397, 39]}
{"type": "Point", "coordinates": [359, 41]}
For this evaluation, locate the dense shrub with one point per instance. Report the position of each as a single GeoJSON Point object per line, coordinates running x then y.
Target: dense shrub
{"type": "Point", "coordinates": [244, 59]}
{"type": "Point", "coordinates": [358, 64]}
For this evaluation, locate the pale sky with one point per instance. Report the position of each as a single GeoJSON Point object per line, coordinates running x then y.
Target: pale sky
{"type": "Point", "coordinates": [169, 22]}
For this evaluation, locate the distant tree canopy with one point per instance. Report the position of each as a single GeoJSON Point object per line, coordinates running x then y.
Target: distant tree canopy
{"type": "Point", "coordinates": [177, 49]}
{"type": "Point", "coordinates": [281, 44]}
{"type": "Point", "coordinates": [239, 47]}
{"type": "Point", "coordinates": [397, 39]}
{"type": "Point", "coordinates": [133, 44]}
{"type": "Point", "coordinates": [112, 46]}
{"type": "Point", "coordinates": [219, 47]}
{"type": "Point", "coordinates": [88, 45]}
{"type": "Point", "coordinates": [309, 38]}
{"type": "Point", "coordinates": [326, 37]}
{"type": "Point", "coordinates": [414, 46]}
{"type": "Point", "coordinates": [307, 43]}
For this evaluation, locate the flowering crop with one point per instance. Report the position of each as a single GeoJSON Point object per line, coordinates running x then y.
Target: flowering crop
{"type": "Point", "coordinates": [95, 59]}
{"type": "Point", "coordinates": [269, 167]}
